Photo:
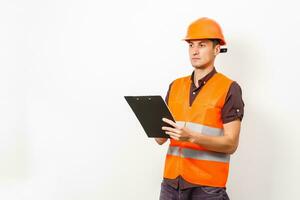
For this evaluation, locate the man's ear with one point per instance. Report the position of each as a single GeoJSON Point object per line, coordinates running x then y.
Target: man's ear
{"type": "Point", "coordinates": [217, 49]}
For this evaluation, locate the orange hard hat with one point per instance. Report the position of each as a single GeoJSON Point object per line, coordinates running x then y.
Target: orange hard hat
{"type": "Point", "coordinates": [205, 28]}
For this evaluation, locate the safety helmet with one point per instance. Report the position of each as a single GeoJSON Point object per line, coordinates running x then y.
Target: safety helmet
{"type": "Point", "coordinates": [205, 28]}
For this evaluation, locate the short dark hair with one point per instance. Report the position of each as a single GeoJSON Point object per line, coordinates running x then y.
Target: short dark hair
{"type": "Point", "coordinates": [215, 42]}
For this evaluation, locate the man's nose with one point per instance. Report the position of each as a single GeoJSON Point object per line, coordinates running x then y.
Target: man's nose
{"type": "Point", "coordinates": [195, 51]}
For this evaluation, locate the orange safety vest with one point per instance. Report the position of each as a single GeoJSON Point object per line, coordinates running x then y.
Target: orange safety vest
{"type": "Point", "coordinates": [193, 162]}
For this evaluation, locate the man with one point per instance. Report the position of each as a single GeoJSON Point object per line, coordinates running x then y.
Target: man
{"type": "Point", "coordinates": [208, 109]}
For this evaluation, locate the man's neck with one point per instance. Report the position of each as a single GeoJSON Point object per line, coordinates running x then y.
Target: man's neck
{"type": "Point", "coordinates": [200, 73]}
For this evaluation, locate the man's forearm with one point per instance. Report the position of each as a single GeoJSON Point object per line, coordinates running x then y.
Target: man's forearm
{"type": "Point", "coordinates": [223, 144]}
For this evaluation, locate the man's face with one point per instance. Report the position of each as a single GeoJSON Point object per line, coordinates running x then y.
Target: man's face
{"type": "Point", "coordinates": [202, 53]}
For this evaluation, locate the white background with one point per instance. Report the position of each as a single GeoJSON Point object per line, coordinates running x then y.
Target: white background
{"type": "Point", "coordinates": [66, 132]}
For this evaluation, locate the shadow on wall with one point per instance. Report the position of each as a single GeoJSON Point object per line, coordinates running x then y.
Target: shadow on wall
{"type": "Point", "coordinates": [253, 165]}
{"type": "Point", "coordinates": [14, 159]}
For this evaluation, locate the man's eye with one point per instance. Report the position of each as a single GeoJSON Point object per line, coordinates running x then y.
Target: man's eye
{"type": "Point", "coordinates": [190, 45]}
{"type": "Point", "coordinates": [202, 45]}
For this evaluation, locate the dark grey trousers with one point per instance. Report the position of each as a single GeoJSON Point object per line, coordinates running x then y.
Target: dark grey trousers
{"type": "Point", "coordinates": [196, 193]}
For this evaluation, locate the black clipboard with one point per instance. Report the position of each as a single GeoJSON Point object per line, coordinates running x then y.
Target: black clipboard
{"type": "Point", "coordinates": [150, 110]}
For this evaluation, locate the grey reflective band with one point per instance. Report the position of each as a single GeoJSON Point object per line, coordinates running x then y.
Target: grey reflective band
{"type": "Point", "coordinates": [198, 154]}
{"type": "Point", "coordinates": [173, 151]}
{"type": "Point", "coordinates": [206, 130]}
{"type": "Point", "coordinates": [205, 155]}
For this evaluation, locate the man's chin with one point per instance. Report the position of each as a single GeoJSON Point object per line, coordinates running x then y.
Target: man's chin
{"type": "Point", "coordinates": [199, 66]}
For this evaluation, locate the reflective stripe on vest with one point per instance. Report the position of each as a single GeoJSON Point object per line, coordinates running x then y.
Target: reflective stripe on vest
{"type": "Point", "coordinates": [206, 130]}
{"type": "Point", "coordinates": [198, 154]}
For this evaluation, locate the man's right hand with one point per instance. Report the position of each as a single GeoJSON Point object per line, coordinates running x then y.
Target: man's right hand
{"type": "Point", "coordinates": [160, 141]}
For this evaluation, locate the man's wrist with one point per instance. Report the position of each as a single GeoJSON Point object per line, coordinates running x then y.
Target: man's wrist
{"type": "Point", "coordinates": [193, 137]}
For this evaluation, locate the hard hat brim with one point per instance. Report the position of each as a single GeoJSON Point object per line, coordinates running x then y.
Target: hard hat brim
{"type": "Point", "coordinates": [222, 42]}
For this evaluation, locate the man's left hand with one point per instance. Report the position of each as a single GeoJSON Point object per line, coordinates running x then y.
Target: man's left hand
{"type": "Point", "coordinates": [177, 132]}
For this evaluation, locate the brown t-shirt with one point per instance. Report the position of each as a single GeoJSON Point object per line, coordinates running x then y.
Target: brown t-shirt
{"type": "Point", "coordinates": [233, 109]}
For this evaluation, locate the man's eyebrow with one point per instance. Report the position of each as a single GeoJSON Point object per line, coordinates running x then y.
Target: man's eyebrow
{"type": "Point", "coordinates": [192, 42]}
{"type": "Point", "coordinates": [197, 42]}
